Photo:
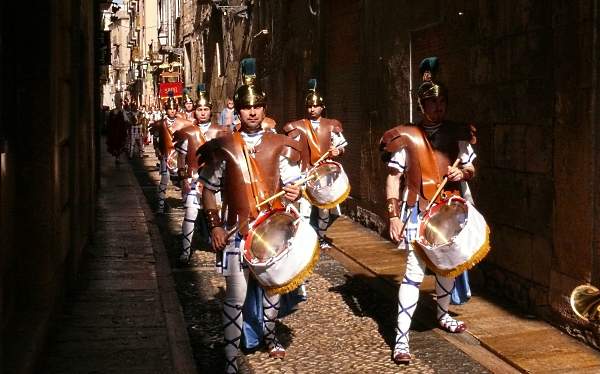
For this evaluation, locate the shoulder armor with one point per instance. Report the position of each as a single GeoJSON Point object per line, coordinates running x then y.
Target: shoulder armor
{"type": "Point", "coordinates": [291, 128]}
{"type": "Point", "coordinates": [268, 123]}
{"type": "Point", "coordinates": [290, 148]}
{"type": "Point", "coordinates": [397, 138]}
{"type": "Point", "coordinates": [207, 153]}
{"type": "Point", "coordinates": [336, 126]}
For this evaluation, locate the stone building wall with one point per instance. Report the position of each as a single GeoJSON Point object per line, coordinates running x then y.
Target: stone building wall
{"type": "Point", "coordinates": [48, 163]}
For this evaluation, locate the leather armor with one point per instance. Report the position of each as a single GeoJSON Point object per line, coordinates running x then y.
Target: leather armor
{"type": "Point", "coordinates": [193, 134]}
{"type": "Point", "coordinates": [243, 191]}
{"type": "Point", "coordinates": [314, 143]}
{"type": "Point", "coordinates": [429, 156]}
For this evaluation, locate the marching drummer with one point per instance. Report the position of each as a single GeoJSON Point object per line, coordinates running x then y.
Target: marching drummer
{"type": "Point", "coordinates": [188, 111]}
{"type": "Point", "coordinates": [255, 165]}
{"type": "Point", "coordinates": [190, 139]}
{"type": "Point", "coordinates": [165, 129]}
{"type": "Point", "coordinates": [422, 154]}
{"type": "Point", "coordinates": [317, 135]}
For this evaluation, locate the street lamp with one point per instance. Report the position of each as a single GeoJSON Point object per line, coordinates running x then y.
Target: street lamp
{"type": "Point", "coordinates": [163, 37]}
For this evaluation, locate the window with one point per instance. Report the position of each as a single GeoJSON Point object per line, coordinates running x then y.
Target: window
{"type": "Point", "coordinates": [219, 60]}
{"type": "Point", "coordinates": [187, 55]}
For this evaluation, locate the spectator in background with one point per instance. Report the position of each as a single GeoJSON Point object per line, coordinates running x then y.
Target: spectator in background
{"type": "Point", "coordinates": [116, 139]}
{"type": "Point", "coordinates": [229, 117]}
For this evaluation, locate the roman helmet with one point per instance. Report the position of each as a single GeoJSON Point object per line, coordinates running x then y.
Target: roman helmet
{"type": "Point", "coordinates": [313, 97]}
{"type": "Point", "coordinates": [186, 97]}
{"type": "Point", "coordinates": [203, 98]}
{"type": "Point", "coordinates": [429, 87]}
{"type": "Point", "coordinates": [171, 102]}
{"type": "Point", "coordinates": [250, 92]}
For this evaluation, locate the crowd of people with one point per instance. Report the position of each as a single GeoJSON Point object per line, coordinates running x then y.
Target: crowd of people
{"type": "Point", "coordinates": [228, 169]}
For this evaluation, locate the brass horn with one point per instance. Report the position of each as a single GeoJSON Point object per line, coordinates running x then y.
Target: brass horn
{"type": "Point", "coordinates": [585, 302]}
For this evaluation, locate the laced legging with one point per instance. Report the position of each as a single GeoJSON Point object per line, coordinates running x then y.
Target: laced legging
{"type": "Point", "coordinates": [164, 181]}
{"type": "Point", "coordinates": [408, 297]}
{"type": "Point", "coordinates": [189, 222]}
{"type": "Point", "coordinates": [235, 295]}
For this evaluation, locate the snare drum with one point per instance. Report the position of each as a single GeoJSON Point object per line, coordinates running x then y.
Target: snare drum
{"type": "Point", "coordinates": [452, 237]}
{"type": "Point", "coordinates": [329, 185]}
{"type": "Point", "coordinates": [281, 249]}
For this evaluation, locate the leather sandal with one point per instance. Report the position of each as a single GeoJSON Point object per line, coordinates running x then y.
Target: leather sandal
{"type": "Point", "coordinates": [454, 327]}
{"type": "Point", "coordinates": [277, 351]}
{"type": "Point", "coordinates": [402, 358]}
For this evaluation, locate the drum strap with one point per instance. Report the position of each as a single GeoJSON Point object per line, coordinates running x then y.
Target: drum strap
{"type": "Point", "coordinates": [256, 190]}
{"type": "Point", "coordinates": [430, 176]}
{"type": "Point", "coordinates": [313, 142]}
{"type": "Point", "coordinates": [202, 138]}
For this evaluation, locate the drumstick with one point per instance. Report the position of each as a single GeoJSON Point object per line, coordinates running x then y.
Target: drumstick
{"type": "Point", "coordinates": [281, 193]}
{"type": "Point", "coordinates": [235, 229]}
{"type": "Point", "coordinates": [405, 221]}
{"type": "Point", "coordinates": [298, 183]}
{"type": "Point", "coordinates": [323, 157]}
{"type": "Point", "coordinates": [439, 190]}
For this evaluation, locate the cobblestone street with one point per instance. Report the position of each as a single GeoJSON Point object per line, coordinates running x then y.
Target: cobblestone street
{"type": "Point", "coordinates": [344, 326]}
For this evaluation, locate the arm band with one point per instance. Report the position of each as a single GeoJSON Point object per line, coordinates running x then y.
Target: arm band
{"type": "Point", "coordinates": [213, 219]}
{"type": "Point", "coordinates": [392, 207]}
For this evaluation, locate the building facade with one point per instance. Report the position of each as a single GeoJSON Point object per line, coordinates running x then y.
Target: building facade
{"type": "Point", "coordinates": [48, 161]}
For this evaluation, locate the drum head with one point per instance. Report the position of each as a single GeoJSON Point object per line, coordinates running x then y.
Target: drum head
{"type": "Point", "coordinates": [272, 236]}
{"type": "Point", "coordinates": [325, 175]}
{"type": "Point", "coordinates": [445, 222]}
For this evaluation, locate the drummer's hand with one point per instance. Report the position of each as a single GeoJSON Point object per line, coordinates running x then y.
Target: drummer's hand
{"type": "Point", "coordinates": [292, 193]}
{"type": "Point", "coordinates": [219, 238]}
{"type": "Point", "coordinates": [455, 174]}
{"type": "Point", "coordinates": [186, 186]}
{"type": "Point", "coordinates": [395, 229]}
{"type": "Point", "coordinates": [334, 151]}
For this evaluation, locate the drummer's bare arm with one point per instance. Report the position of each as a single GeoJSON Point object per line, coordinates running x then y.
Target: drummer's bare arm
{"type": "Point", "coordinates": [217, 233]}
{"type": "Point", "coordinates": [464, 173]}
{"type": "Point", "coordinates": [392, 192]}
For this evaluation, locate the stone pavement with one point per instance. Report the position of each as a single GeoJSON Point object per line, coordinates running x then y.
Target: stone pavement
{"type": "Point", "coordinates": [527, 344]}
{"type": "Point", "coordinates": [124, 316]}
{"type": "Point", "coordinates": [127, 315]}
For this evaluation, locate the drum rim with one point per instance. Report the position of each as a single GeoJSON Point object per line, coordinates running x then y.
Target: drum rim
{"type": "Point", "coordinates": [421, 233]}
{"type": "Point", "coordinates": [311, 198]}
{"type": "Point", "coordinates": [260, 219]}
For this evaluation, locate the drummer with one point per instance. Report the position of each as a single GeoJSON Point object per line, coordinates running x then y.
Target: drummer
{"type": "Point", "coordinates": [270, 162]}
{"type": "Point", "coordinates": [449, 141]}
{"type": "Point", "coordinates": [317, 135]}
{"type": "Point", "coordinates": [163, 131]}
{"type": "Point", "coordinates": [202, 130]}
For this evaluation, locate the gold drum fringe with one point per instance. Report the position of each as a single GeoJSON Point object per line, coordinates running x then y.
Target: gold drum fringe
{"type": "Point", "coordinates": [296, 281]}
{"type": "Point", "coordinates": [454, 272]}
{"type": "Point", "coordinates": [328, 205]}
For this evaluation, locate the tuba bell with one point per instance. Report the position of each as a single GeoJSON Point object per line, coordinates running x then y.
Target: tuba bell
{"type": "Point", "coordinates": [585, 302]}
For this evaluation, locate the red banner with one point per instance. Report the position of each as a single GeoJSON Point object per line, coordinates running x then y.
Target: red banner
{"type": "Point", "coordinates": [176, 87]}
